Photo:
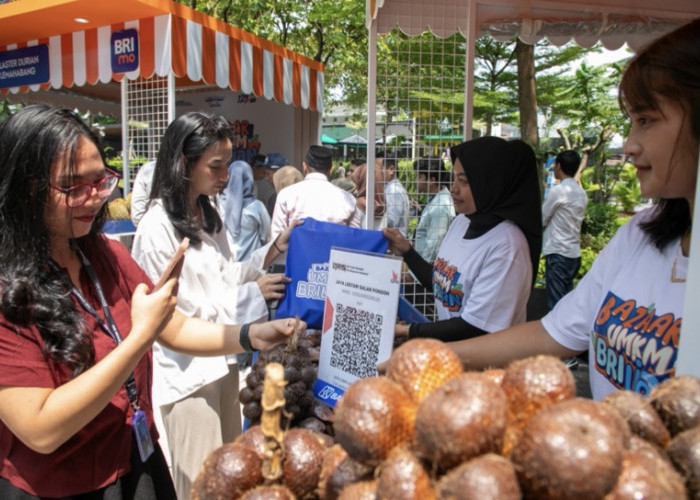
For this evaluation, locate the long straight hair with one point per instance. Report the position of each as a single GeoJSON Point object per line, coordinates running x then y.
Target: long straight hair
{"type": "Point", "coordinates": [182, 145]}
{"type": "Point", "coordinates": [34, 142]}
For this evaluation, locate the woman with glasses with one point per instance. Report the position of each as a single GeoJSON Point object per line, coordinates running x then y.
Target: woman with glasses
{"type": "Point", "coordinates": [77, 322]}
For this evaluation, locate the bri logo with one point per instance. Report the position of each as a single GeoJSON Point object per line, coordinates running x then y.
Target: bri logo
{"type": "Point", "coordinates": [328, 392]}
{"type": "Point", "coordinates": [124, 46]}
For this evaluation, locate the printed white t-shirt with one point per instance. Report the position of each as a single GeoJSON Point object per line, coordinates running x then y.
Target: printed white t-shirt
{"type": "Point", "coordinates": [487, 280]}
{"type": "Point", "coordinates": [627, 311]}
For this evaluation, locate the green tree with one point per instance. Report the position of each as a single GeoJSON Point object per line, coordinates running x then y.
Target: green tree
{"type": "Point", "coordinates": [6, 109]}
{"type": "Point", "coordinates": [527, 93]}
{"type": "Point", "coordinates": [594, 117]}
{"type": "Point", "coordinates": [495, 81]}
{"type": "Point", "coordinates": [627, 191]}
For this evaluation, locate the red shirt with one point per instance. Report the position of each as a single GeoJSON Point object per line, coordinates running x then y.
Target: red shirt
{"type": "Point", "coordinates": [100, 452]}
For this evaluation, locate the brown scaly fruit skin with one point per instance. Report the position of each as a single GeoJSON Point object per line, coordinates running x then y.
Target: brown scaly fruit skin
{"type": "Point", "coordinates": [303, 457]}
{"type": "Point", "coordinates": [362, 490]}
{"type": "Point", "coordinates": [374, 415]}
{"type": "Point", "coordinates": [227, 472]}
{"type": "Point", "coordinates": [463, 418]}
{"type": "Point", "coordinates": [271, 492]}
{"type": "Point", "coordinates": [677, 401]}
{"type": "Point", "coordinates": [684, 451]}
{"type": "Point", "coordinates": [646, 474]}
{"type": "Point", "coordinates": [331, 459]}
{"type": "Point", "coordinates": [637, 443]}
{"type": "Point", "coordinates": [402, 477]}
{"type": "Point", "coordinates": [571, 450]}
{"type": "Point", "coordinates": [254, 439]}
{"type": "Point", "coordinates": [532, 384]}
{"type": "Point", "coordinates": [422, 365]}
{"type": "Point", "coordinates": [486, 476]}
{"type": "Point", "coordinates": [347, 472]}
{"type": "Point", "coordinates": [640, 416]}
{"type": "Point", "coordinates": [495, 374]}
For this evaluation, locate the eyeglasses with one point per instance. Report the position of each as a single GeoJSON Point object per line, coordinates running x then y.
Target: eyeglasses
{"type": "Point", "coordinates": [78, 194]}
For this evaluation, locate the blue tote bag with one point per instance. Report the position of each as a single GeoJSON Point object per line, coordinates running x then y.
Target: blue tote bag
{"type": "Point", "coordinates": [307, 264]}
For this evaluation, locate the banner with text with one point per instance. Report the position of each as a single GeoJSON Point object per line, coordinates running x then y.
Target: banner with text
{"type": "Point", "coordinates": [25, 66]}
{"type": "Point", "coordinates": [362, 295]}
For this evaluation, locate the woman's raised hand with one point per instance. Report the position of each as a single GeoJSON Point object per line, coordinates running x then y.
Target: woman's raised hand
{"type": "Point", "coordinates": [282, 241]}
{"type": "Point", "coordinates": [151, 311]}
{"type": "Point", "coordinates": [398, 244]}
{"type": "Point", "coordinates": [266, 335]}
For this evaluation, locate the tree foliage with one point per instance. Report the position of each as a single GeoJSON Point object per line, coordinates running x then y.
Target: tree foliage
{"type": "Point", "coordinates": [588, 102]}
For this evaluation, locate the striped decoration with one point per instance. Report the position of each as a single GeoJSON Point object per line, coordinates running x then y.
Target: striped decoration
{"type": "Point", "coordinates": [212, 52]}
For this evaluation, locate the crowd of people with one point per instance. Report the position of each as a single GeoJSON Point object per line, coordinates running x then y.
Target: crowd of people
{"type": "Point", "coordinates": [89, 346]}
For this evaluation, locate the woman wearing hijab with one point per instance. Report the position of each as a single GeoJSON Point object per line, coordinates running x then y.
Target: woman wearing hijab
{"type": "Point", "coordinates": [359, 177]}
{"type": "Point", "coordinates": [487, 261]}
{"type": "Point", "coordinates": [246, 219]}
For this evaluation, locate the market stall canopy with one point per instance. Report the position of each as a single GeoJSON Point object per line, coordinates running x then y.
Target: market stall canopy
{"type": "Point", "coordinates": [353, 140]}
{"type": "Point", "coordinates": [612, 22]}
{"type": "Point", "coordinates": [385, 140]}
{"type": "Point", "coordinates": [327, 139]}
{"type": "Point", "coordinates": [171, 38]}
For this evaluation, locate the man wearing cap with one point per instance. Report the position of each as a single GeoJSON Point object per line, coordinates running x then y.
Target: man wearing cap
{"type": "Point", "coordinates": [263, 168]}
{"type": "Point", "coordinates": [315, 196]}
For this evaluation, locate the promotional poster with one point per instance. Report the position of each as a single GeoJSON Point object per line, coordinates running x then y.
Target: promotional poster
{"type": "Point", "coordinates": [362, 295]}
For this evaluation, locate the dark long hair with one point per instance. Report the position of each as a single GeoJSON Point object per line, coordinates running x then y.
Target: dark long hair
{"type": "Point", "coordinates": [33, 143]}
{"type": "Point", "coordinates": [183, 143]}
{"type": "Point", "coordinates": [669, 67]}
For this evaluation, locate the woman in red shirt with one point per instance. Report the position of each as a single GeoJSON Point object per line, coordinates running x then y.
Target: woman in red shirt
{"type": "Point", "coordinates": [77, 321]}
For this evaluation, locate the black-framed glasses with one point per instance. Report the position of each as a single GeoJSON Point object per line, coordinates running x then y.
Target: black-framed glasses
{"type": "Point", "coordinates": [78, 194]}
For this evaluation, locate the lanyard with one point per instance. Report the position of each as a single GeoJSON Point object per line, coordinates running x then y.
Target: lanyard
{"type": "Point", "coordinates": [110, 328]}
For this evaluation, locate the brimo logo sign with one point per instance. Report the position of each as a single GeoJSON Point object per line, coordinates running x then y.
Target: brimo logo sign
{"type": "Point", "coordinates": [125, 51]}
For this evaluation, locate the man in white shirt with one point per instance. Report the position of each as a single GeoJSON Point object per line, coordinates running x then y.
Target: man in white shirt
{"type": "Point", "coordinates": [433, 181]}
{"type": "Point", "coordinates": [315, 196]}
{"type": "Point", "coordinates": [562, 215]}
{"type": "Point", "coordinates": [141, 191]}
{"type": "Point", "coordinates": [398, 205]}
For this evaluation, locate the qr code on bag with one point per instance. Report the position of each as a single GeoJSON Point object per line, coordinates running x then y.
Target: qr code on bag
{"type": "Point", "coordinates": [358, 332]}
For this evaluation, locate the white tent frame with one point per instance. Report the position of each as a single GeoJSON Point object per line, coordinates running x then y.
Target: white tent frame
{"type": "Point", "coordinates": [612, 22]}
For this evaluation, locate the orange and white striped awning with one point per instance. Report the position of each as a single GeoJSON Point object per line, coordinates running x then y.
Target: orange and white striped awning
{"type": "Point", "coordinates": [180, 40]}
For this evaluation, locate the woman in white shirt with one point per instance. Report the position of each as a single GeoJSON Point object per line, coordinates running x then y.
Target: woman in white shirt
{"type": "Point", "coordinates": [485, 267]}
{"type": "Point", "coordinates": [627, 311]}
{"type": "Point", "coordinates": [198, 397]}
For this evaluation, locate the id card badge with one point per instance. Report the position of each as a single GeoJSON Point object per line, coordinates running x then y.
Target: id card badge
{"type": "Point", "coordinates": [143, 435]}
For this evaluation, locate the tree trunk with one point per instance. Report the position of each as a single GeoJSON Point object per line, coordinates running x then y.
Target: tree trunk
{"type": "Point", "coordinates": [527, 93]}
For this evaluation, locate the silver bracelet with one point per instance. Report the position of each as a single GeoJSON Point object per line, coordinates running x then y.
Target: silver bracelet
{"type": "Point", "coordinates": [244, 338]}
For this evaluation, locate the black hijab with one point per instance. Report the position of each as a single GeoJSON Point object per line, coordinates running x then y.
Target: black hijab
{"type": "Point", "coordinates": [505, 186]}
